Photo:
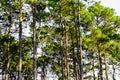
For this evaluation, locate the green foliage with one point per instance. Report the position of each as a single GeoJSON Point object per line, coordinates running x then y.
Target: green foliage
{"type": "Point", "coordinates": [100, 33]}
{"type": "Point", "coordinates": [43, 60]}
{"type": "Point", "coordinates": [32, 1]}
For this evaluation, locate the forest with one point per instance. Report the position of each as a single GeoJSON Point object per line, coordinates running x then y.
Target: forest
{"type": "Point", "coordinates": [58, 40]}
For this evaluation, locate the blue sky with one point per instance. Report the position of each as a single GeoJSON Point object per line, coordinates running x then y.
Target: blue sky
{"type": "Point", "coordinates": [115, 4]}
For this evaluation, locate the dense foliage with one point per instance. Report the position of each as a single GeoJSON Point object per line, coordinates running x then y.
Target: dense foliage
{"type": "Point", "coordinates": [69, 39]}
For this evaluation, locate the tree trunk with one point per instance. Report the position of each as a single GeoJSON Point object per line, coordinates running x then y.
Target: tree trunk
{"type": "Point", "coordinates": [100, 61]}
{"type": "Point", "coordinates": [98, 76]}
{"type": "Point", "coordinates": [74, 62]}
{"type": "Point", "coordinates": [68, 72]}
{"type": "Point", "coordinates": [93, 68]}
{"type": "Point", "coordinates": [8, 48]}
{"type": "Point", "coordinates": [62, 56]}
{"type": "Point", "coordinates": [34, 44]}
{"type": "Point", "coordinates": [73, 53]}
{"type": "Point", "coordinates": [80, 40]}
{"type": "Point", "coordinates": [61, 47]}
{"type": "Point", "coordinates": [106, 73]}
{"type": "Point", "coordinates": [113, 67]}
{"type": "Point", "coordinates": [20, 45]}
{"type": "Point", "coordinates": [73, 46]}
{"type": "Point", "coordinates": [2, 75]}
{"type": "Point", "coordinates": [78, 52]}
{"type": "Point", "coordinates": [74, 66]}
{"type": "Point", "coordinates": [67, 77]}
{"type": "Point", "coordinates": [3, 72]}
{"type": "Point", "coordinates": [43, 77]}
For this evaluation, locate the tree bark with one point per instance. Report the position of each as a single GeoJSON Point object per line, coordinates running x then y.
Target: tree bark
{"type": "Point", "coordinates": [34, 44]}
{"type": "Point", "coordinates": [74, 65]}
{"type": "Point", "coordinates": [100, 62]}
{"type": "Point", "coordinates": [106, 73]}
{"type": "Point", "coordinates": [62, 60]}
{"type": "Point", "coordinates": [2, 75]}
{"type": "Point", "coordinates": [61, 47]}
{"type": "Point", "coordinates": [75, 73]}
{"type": "Point", "coordinates": [93, 68]}
{"type": "Point", "coordinates": [113, 67]}
{"type": "Point", "coordinates": [43, 77]}
{"type": "Point", "coordinates": [74, 61]}
{"type": "Point", "coordinates": [8, 48]}
{"type": "Point", "coordinates": [67, 77]}
{"type": "Point", "coordinates": [80, 40]}
{"type": "Point", "coordinates": [20, 44]}
{"type": "Point", "coordinates": [73, 53]}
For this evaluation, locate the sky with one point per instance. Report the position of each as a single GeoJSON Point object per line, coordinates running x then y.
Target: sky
{"type": "Point", "coordinates": [112, 4]}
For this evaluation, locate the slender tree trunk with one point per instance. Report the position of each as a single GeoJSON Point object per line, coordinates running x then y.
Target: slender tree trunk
{"type": "Point", "coordinates": [43, 77]}
{"type": "Point", "coordinates": [66, 58]}
{"type": "Point", "coordinates": [93, 68]}
{"type": "Point", "coordinates": [20, 44]}
{"type": "Point", "coordinates": [3, 70]}
{"type": "Point", "coordinates": [80, 40]}
{"type": "Point", "coordinates": [78, 52]}
{"type": "Point", "coordinates": [2, 75]}
{"type": "Point", "coordinates": [67, 63]}
{"type": "Point", "coordinates": [106, 72]}
{"type": "Point", "coordinates": [74, 56]}
{"type": "Point", "coordinates": [73, 46]}
{"type": "Point", "coordinates": [113, 67]}
{"type": "Point", "coordinates": [8, 48]}
{"type": "Point", "coordinates": [100, 61]}
{"type": "Point", "coordinates": [8, 58]}
{"type": "Point", "coordinates": [62, 56]}
{"type": "Point", "coordinates": [34, 45]}
{"type": "Point", "coordinates": [98, 76]}
{"type": "Point", "coordinates": [74, 64]}
{"type": "Point", "coordinates": [61, 47]}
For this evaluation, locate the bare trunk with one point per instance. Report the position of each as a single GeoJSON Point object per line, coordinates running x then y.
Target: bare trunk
{"type": "Point", "coordinates": [66, 59]}
{"type": "Point", "coordinates": [34, 54]}
{"type": "Point", "coordinates": [75, 72]}
{"type": "Point", "coordinates": [74, 63]}
{"type": "Point", "coordinates": [3, 70]}
{"type": "Point", "coordinates": [74, 55]}
{"type": "Point", "coordinates": [61, 59]}
{"type": "Point", "coordinates": [100, 61]}
{"type": "Point", "coordinates": [81, 66]}
{"type": "Point", "coordinates": [43, 77]}
{"type": "Point", "coordinates": [2, 75]}
{"type": "Point", "coordinates": [68, 75]}
{"type": "Point", "coordinates": [93, 68]}
{"type": "Point", "coordinates": [78, 52]}
{"type": "Point", "coordinates": [98, 76]}
{"type": "Point", "coordinates": [106, 67]}
{"type": "Point", "coordinates": [8, 57]}
{"type": "Point", "coordinates": [113, 76]}
{"type": "Point", "coordinates": [8, 48]}
{"type": "Point", "coordinates": [34, 44]}
{"type": "Point", "coordinates": [61, 48]}
{"type": "Point", "coordinates": [80, 40]}
{"type": "Point", "coordinates": [20, 45]}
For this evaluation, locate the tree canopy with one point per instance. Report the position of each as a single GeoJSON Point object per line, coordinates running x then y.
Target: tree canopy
{"type": "Point", "coordinates": [69, 39]}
